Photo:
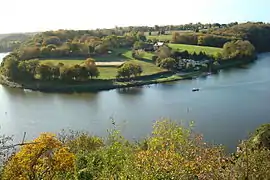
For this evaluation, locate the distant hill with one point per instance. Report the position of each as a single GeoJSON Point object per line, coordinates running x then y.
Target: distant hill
{"type": "Point", "coordinates": [17, 35]}
{"type": "Point", "coordinates": [9, 42]}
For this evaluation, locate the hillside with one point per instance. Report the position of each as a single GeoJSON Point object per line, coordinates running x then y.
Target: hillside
{"type": "Point", "coordinates": [8, 42]}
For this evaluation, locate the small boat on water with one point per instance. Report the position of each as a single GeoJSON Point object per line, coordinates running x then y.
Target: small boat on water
{"type": "Point", "coordinates": [27, 90]}
{"type": "Point", "coordinates": [195, 89]}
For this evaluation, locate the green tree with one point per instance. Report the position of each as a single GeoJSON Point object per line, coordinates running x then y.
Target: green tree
{"type": "Point", "coordinates": [27, 69]}
{"type": "Point", "coordinates": [168, 63]}
{"type": "Point", "coordinates": [101, 48]}
{"type": "Point", "coordinates": [129, 69]}
{"type": "Point", "coordinates": [139, 45]}
{"type": "Point", "coordinates": [239, 50]}
{"type": "Point", "coordinates": [66, 74]}
{"type": "Point", "coordinates": [44, 71]}
{"type": "Point", "coordinates": [9, 67]}
{"type": "Point", "coordinates": [141, 36]}
{"type": "Point", "coordinates": [55, 72]}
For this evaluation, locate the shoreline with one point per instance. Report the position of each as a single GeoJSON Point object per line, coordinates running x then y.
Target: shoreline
{"type": "Point", "coordinates": [69, 88]}
{"type": "Point", "coordinates": [96, 85]}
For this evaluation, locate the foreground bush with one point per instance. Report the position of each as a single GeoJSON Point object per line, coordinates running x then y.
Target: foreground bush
{"type": "Point", "coordinates": [171, 152]}
{"type": "Point", "coordinates": [44, 158]}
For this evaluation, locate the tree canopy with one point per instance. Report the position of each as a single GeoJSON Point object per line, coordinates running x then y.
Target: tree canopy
{"type": "Point", "coordinates": [129, 69]}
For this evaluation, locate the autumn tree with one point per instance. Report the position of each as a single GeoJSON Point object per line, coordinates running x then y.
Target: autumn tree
{"type": "Point", "coordinates": [29, 53]}
{"type": "Point", "coordinates": [44, 158]}
{"type": "Point", "coordinates": [239, 50]}
{"type": "Point", "coordinates": [91, 67]}
{"type": "Point", "coordinates": [164, 52]}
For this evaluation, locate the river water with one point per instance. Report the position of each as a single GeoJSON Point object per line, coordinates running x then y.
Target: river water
{"type": "Point", "coordinates": [229, 106]}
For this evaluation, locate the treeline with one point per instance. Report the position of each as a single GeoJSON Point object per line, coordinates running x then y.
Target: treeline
{"type": "Point", "coordinates": [171, 152]}
{"type": "Point", "coordinates": [53, 44]}
{"type": "Point", "coordinates": [200, 39]}
{"type": "Point", "coordinates": [64, 43]}
{"type": "Point", "coordinates": [29, 70]}
{"type": "Point", "coordinates": [256, 33]}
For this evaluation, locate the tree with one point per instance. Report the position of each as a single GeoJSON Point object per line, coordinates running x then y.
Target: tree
{"type": "Point", "coordinates": [168, 63]}
{"type": "Point", "coordinates": [141, 36]}
{"type": "Point", "coordinates": [129, 69]}
{"type": "Point", "coordinates": [138, 54]}
{"type": "Point", "coordinates": [139, 45]}
{"type": "Point", "coordinates": [101, 48]}
{"type": "Point", "coordinates": [9, 67]}
{"type": "Point", "coordinates": [44, 71]}
{"type": "Point", "coordinates": [55, 72]}
{"type": "Point", "coordinates": [91, 49]}
{"type": "Point", "coordinates": [66, 74]}
{"type": "Point", "coordinates": [184, 38]}
{"type": "Point", "coordinates": [239, 50]}
{"type": "Point", "coordinates": [27, 69]}
{"type": "Point", "coordinates": [91, 67]}
{"type": "Point", "coordinates": [29, 53]}
{"type": "Point", "coordinates": [164, 52]}
{"type": "Point", "coordinates": [52, 40]}
{"type": "Point", "coordinates": [44, 158]}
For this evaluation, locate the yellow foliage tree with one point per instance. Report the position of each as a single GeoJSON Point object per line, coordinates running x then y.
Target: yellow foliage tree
{"type": "Point", "coordinates": [44, 158]}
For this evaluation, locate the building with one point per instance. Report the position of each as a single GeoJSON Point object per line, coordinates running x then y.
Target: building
{"type": "Point", "coordinates": [158, 45]}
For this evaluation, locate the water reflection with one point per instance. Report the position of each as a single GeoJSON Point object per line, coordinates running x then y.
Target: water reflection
{"type": "Point", "coordinates": [130, 90]}
{"type": "Point", "coordinates": [168, 85]}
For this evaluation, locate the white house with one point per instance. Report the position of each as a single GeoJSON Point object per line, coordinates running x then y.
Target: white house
{"type": "Point", "coordinates": [158, 44]}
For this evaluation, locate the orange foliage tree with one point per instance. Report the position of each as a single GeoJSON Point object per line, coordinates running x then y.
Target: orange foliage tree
{"type": "Point", "coordinates": [45, 158]}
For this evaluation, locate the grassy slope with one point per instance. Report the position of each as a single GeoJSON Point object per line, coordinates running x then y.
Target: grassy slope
{"type": "Point", "coordinates": [168, 36]}
{"type": "Point", "coordinates": [197, 49]}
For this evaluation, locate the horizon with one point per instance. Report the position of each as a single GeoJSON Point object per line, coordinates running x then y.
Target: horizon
{"type": "Point", "coordinates": [39, 15]}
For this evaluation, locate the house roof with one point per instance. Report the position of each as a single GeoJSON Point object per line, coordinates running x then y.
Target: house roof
{"type": "Point", "coordinates": [159, 44]}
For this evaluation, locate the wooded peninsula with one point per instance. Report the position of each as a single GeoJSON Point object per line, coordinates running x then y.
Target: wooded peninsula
{"type": "Point", "coordinates": [92, 60]}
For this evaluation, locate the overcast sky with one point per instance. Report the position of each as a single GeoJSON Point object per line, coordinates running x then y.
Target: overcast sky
{"type": "Point", "coordinates": [40, 15]}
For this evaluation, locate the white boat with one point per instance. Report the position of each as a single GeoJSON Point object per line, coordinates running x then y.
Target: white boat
{"type": "Point", "coordinates": [195, 89]}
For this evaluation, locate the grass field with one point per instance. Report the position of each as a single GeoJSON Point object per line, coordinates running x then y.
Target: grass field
{"type": "Point", "coordinates": [197, 49]}
{"type": "Point", "coordinates": [168, 36]}
{"type": "Point", "coordinates": [105, 63]}
{"type": "Point", "coordinates": [148, 69]}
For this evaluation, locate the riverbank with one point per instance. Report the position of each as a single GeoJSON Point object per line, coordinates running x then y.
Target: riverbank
{"type": "Point", "coordinates": [101, 85]}
{"type": "Point", "coordinates": [97, 84]}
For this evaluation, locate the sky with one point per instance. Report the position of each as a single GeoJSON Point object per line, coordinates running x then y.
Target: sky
{"type": "Point", "coordinates": [42, 15]}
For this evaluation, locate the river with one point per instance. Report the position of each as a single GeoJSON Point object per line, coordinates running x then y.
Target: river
{"type": "Point", "coordinates": [229, 106]}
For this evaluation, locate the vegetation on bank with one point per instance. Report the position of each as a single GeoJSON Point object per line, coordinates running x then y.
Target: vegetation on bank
{"type": "Point", "coordinates": [171, 152]}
